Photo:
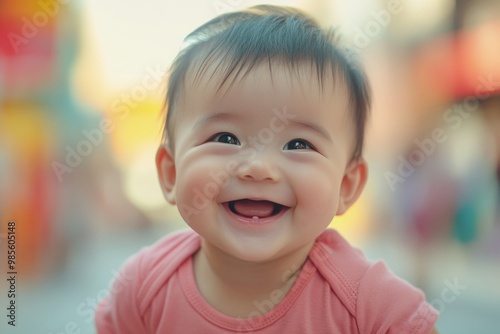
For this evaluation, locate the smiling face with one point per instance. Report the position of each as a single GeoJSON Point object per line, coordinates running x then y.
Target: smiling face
{"type": "Point", "coordinates": [260, 169]}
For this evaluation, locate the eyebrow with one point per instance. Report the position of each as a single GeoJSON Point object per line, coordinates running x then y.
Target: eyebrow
{"type": "Point", "coordinates": [313, 127]}
{"type": "Point", "coordinates": [220, 116]}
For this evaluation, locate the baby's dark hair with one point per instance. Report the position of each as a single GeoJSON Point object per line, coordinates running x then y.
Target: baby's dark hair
{"type": "Point", "coordinates": [235, 42]}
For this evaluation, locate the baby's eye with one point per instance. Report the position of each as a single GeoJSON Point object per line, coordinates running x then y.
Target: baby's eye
{"type": "Point", "coordinates": [297, 144]}
{"type": "Point", "coordinates": [225, 138]}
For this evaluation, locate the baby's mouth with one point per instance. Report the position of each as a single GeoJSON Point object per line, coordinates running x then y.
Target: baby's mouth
{"type": "Point", "coordinates": [255, 208]}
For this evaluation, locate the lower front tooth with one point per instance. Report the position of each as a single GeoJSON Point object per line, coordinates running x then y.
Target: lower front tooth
{"type": "Point", "coordinates": [255, 217]}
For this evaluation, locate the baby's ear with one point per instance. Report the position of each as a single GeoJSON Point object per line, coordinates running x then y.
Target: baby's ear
{"type": "Point", "coordinates": [165, 166]}
{"type": "Point", "coordinates": [352, 185]}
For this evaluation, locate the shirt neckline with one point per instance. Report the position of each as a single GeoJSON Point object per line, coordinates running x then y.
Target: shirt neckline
{"type": "Point", "coordinates": [192, 293]}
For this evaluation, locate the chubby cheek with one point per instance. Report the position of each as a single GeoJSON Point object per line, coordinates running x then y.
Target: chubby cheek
{"type": "Point", "coordinates": [197, 185]}
{"type": "Point", "coordinates": [318, 195]}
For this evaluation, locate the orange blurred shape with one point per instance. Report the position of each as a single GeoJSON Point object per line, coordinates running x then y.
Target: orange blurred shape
{"type": "Point", "coordinates": [28, 189]}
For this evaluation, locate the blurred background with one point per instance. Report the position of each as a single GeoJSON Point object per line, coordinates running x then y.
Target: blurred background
{"type": "Point", "coordinates": [81, 89]}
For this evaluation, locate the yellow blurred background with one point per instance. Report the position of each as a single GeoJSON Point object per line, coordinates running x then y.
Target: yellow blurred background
{"type": "Point", "coordinates": [82, 84]}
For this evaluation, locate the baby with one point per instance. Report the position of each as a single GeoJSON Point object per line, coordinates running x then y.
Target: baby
{"type": "Point", "coordinates": [264, 133]}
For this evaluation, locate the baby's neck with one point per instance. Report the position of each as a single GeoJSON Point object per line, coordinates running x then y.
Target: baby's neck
{"type": "Point", "coordinates": [233, 287]}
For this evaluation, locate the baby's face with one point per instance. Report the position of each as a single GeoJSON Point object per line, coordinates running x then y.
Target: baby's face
{"type": "Point", "coordinates": [260, 170]}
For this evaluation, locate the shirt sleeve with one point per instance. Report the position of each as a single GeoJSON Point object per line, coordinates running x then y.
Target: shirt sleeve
{"type": "Point", "coordinates": [119, 312]}
{"type": "Point", "coordinates": [388, 304]}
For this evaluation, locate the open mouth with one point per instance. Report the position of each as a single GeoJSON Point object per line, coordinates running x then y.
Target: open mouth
{"type": "Point", "coordinates": [255, 209]}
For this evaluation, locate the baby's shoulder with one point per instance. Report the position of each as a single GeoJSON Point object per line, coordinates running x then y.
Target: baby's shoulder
{"type": "Point", "coordinates": [170, 250]}
{"type": "Point", "coordinates": [141, 278]}
{"type": "Point", "coordinates": [167, 254]}
{"type": "Point", "coordinates": [332, 253]}
{"type": "Point", "coordinates": [341, 265]}
{"type": "Point", "coordinates": [153, 265]}
{"type": "Point", "coordinates": [369, 290]}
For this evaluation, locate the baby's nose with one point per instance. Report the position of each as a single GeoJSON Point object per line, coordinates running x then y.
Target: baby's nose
{"type": "Point", "coordinates": [259, 169]}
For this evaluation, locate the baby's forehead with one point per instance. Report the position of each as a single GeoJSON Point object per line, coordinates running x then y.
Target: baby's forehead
{"type": "Point", "coordinates": [218, 81]}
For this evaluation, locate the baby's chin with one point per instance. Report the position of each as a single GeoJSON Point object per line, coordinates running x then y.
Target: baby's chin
{"type": "Point", "coordinates": [255, 252]}
{"type": "Point", "coordinates": [246, 249]}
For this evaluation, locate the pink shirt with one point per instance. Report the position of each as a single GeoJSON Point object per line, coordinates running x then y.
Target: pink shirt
{"type": "Point", "coordinates": [337, 291]}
